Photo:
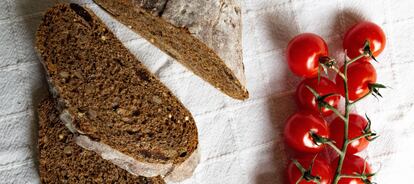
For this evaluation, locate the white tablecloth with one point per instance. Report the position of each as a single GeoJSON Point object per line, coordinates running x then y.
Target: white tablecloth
{"type": "Point", "coordinates": [240, 142]}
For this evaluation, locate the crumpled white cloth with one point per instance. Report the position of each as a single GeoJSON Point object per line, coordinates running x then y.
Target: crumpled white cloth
{"type": "Point", "coordinates": [240, 141]}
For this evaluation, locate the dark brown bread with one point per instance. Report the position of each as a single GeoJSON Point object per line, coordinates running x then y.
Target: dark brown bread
{"type": "Point", "coordinates": [62, 161]}
{"type": "Point", "coordinates": [106, 94]}
{"type": "Point", "coordinates": [220, 64]}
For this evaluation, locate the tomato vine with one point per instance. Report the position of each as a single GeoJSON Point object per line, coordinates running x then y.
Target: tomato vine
{"type": "Point", "coordinates": [306, 131]}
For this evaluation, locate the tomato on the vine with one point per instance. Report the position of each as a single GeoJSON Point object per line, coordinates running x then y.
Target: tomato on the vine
{"type": "Point", "coordinates": [356, 127]}
{"type": "Point", "coordinates": [303, 54]}
{"type": "Point", "coordinates": [306, 100]}
{"type": "Point", "coordinates": [319, 169]}
{"type": "Point", "coordinates": [298, 128]}
{"type": "Point", "coordinates": [353, 165]}
{"type": "Point", "coordinates": [360, 76]}
{"type": "Point", "coordinates": [356, 36]}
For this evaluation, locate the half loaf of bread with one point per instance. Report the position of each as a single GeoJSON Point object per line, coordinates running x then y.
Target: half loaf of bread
{"type": "Point", "coordinates": [205, 36]}
{"type": "Point", "coordinates": [119, 109]}
{"type": "Point", "coordinates": [62, 161]}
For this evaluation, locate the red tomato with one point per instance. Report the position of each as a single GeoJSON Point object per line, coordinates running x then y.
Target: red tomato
{"type": "Point", "coordinates": [356, 36]}
{"type": "Point", "coordinates": [360, 75]}
{"type": "Point", "coordinates": [352, 164]}
{"type": "Point", "coordinates": [306, 100]}
{"type": "Point", "coordinates": [320, 168]}
{"type": "Point", "coordinates": [297, 131]}
{"type": "Point", "coordinates": [356, 127]}
{"type": "Point", "coordinates": [303, 53]}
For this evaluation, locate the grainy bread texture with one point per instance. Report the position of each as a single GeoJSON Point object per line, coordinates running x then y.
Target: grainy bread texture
{"type": "Point", "coordinates": [122, 111]}
{"type": "Point", "coordinates": [205, 36]}
{"type": "Point", "coordinates": [62, 161]}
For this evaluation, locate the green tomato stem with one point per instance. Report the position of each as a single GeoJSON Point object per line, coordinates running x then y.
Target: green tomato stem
{"type": "Point", "coordinates": [334, 110]}
{"type": "Point", "coordinates": [334, 147]}
{"type": "Point", "coordinates": [359, 137]}
{"type": "Point", "coordinates": [302, 170]}
{"type": "Point", "coordinates": [351, 176]}
{"type": "Point", "coordinates": [355, 59]}
{"type": "Point", "coordinates": [348, 104]}
{"type": "Point", "coordinates": [334, 68]}
{"type": "Point", "coordinates": [369, 93]}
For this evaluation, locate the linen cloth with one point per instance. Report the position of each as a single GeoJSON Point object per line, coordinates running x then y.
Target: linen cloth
{"type": "Point", "coordinates": [240, 141]}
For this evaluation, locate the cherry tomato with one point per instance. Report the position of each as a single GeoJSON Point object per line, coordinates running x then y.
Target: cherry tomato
{"type": "Point", "coordinates": [360, 75]}
{"type": "Point", "coordinates": [320, 168]}
{"type": "Point", "coordinates": [356, 127]}
{"type": "Point", "coordinates": [352, 164]}
{"type": "Point", "coordinates": [297, 131]}
{"type": "Point", "coordinates": [303, 53]}
{"type": "Point", "coordinates": [306, 100]}
{"type": "Point", "coordinates": [356, 36]}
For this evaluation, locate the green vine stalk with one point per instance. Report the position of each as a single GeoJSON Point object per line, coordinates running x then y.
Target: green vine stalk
{"type": "Point", "coordinates": [329, 63]}
{"type": "Point", "coordinates": [345, 117]}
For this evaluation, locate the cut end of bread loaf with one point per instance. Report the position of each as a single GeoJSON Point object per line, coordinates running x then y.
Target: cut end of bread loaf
{"type": "Point", "coordinates": [107, 94]}
{"type": "Point", "coordinates": [205, 36]}
{"type": "Point", "coordinates": [62, 161]}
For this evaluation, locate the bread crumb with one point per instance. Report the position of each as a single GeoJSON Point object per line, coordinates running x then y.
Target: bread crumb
{"type": "Point", "coordinates": [81, 114]}
{"type": "Point", "coordinates": [68, 150]}
{"type": "Point", "coordinates": [122, 112]}
{"type": "Point", "coordinates": [157, 99]}
{"type": "Point", "coordinates": [61, 136]}
{"type": "Point", "coordinates": [127, 120]}
{"type": "Point", "coordinates": [92, 114]}
{"type": "Point", "coordinates": [186, 118]}
{"type": "Point", "coordinates": [170, 116]}
{"type": "Point", "coordinates": [78, 75]}
{"type": "Point", "coordinates": [103, 38]}
{"type": "Point", "coordinates": [64, 74]}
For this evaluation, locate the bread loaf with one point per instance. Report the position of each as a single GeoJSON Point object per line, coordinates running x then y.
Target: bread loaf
{"type": "Point", "coordinates": [205, 36]}
{"type": "Point", "coordinates": [119, 109]}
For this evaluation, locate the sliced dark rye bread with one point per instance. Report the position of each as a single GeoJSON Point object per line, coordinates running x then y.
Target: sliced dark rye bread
{"type": "Point", "coordinates": [62, 161]}
{"type": "Point", "coordinates": [122, 111]}
{"type": "Point", "coordinates": [205, 36]}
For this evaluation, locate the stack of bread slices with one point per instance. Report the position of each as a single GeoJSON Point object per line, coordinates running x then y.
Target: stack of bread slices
{"type": "Point", "coordinates": [108, 119]}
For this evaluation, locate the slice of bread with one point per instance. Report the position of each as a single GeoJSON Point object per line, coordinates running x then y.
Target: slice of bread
{"type": "Point", "coordinates": [205, 36]}
{"type": "Point", "coordinates": [62, 161]}
{"type": "Point", "coordinates": [121, 110]}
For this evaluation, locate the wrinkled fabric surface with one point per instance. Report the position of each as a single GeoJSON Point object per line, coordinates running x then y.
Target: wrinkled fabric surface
{"type": "Point", "coordinates": [240, 141]}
